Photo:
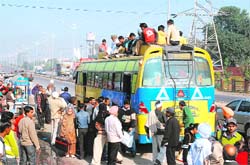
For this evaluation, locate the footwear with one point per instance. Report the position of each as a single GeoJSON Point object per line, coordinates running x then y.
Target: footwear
{"type": "Point", "coordinates": [73, 156]}
{"type": "Point", "coordinates": [133, 154]}
{"type": "Point", "coordinates": [157, 162]}
{"type": "Point", "coordinates": [119, 161]}
{"type": "Point", "coordinates": [67, 156]}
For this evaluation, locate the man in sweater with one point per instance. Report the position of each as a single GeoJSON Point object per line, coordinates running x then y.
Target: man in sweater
{"type": "Point", "coordinates": [28, 138]}
{"type": "Point", "coordinates": [187, 114]}
{"type": "Point", "coordinates": [113, 128]}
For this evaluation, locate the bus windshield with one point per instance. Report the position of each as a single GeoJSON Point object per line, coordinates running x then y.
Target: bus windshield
{"type": "Point", "coordinates": [153, 75]}
{"type": "Point", "coordinates": [179, 69]}
{"type": "Point", "coordinates": [203, 72]}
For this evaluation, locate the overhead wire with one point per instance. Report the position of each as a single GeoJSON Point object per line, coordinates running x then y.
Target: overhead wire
{"type": "Point", "coordinates": [81, 10]}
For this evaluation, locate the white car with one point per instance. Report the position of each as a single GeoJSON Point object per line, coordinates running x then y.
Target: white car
{"type": "Point", "coordinates": [241, 108]}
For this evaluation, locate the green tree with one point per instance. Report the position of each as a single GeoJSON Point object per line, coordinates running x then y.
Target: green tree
{"type": "Point", "coordinates": [234, 35]}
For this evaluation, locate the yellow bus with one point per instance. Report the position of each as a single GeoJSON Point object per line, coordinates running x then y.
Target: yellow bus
{"type": "Point", "coordinates": [169, 74]}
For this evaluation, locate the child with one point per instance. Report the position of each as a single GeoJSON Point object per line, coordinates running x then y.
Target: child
{"type": "Point", "coordinates": [188, 140]}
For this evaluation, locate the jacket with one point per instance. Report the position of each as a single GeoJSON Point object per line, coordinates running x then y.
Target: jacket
{"type": "Point", "coordinates": [172, 132]}
{"type": "Point", "coordinates": [11, 146]}
{"type": "Point", "coordinates": [28, 135]}
{"type": "Point", "coordinates": [57, 106]}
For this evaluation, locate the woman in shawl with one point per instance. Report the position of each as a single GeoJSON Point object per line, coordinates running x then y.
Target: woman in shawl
{"type": "Point", "coordinates": [68, 131]}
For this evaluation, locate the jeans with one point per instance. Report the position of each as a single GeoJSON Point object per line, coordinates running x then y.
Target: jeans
{"type": "Point", "coordinates": [11, 161]}
{"type": "Point", "coordinates": [54, 130]}
{"type": "Point", "coordinates": [28, 153]}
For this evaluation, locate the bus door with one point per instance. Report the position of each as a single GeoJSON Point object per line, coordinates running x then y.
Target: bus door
{"type": "Point", "coordinates": [127, 84]}
{"type": "Point", "coordinates": [179, 68]}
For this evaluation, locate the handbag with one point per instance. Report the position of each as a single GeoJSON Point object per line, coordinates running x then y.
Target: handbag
{"type": "Point", "coordinates": [62, 144]}
{"type": "Point", "coordinates": [127, 139]}
{"type": "Point", "coordinates": [180, 155]}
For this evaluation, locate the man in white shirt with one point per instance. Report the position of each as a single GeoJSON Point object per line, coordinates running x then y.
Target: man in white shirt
{"type": "Point", "coordinates": [113, 128]}
{"type": "Point", "coordinates": [173, 34]}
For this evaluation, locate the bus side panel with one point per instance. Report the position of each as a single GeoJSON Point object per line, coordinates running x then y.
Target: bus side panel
{"type": "Point", "coordinates": [79, 92]}
{"type": "Point", "coordinates": [114, 96]}
{"type": "Point", "coordinates": [93, 92]}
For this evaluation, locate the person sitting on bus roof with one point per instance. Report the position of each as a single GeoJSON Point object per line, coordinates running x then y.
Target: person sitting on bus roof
{"type": "Point", "coordinates": [148, 36]}
{"type": "Point", "coordinates": [173, 35]}
{"type": "Point", "coordinates": [120, 45]}
{"type": "Point", "coordinates": [113, 44]}
{"type": "Point", "coordinates": [162, 36]}
{"type": "Point", "coordinates": [103, 48]}
{"type": "Point", "coordinates": [130, 43]}
{"type": "Point", "coordinates": [183, 40]}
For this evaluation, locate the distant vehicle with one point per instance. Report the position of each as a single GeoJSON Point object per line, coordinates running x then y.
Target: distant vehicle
{"type": "Point", "coordinates": [241, 108]}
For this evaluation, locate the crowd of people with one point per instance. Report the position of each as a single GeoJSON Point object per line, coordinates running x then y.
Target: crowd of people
{"type": "Point", "coordinates": [198, 147]}
{"type": "Point", "coordinates": [97, 128]}
{"type": "Point", "coordinates": [132, 44]}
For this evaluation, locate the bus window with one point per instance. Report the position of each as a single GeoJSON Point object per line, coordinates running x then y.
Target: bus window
{"type": "Point", "coordinates": [105, 80]}
{"type": "Point", "coordinates": [89, 78]}
{"type": "Point", "coordinates": [117, 81]}
{"type": "Point", "coordinates": [110, 81]}
{"type": "Point", "coordinates": [153, 73]}
{"type": "Point", "coordinates": [133, 85]}
{"type": "Point", "coordinates": [79, 78]}
{"type": "Point", "coordinates": [203, 74]}
{"type": "Point", "coordinates": [84, 79]}
{"type": "Point", "coordinates": [100, 79]}
{"type": "Point", "coordinates": [92, 79]}
{"type": "Point", "coordinates": [179, 69]}
{"type": "Point", "coordinates": [96, 84]}
{"type": "Point", "coordinates": [126, 84]}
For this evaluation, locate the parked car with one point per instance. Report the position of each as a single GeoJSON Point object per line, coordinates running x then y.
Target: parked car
{"type": "Point", "coordinates": [241, 108]}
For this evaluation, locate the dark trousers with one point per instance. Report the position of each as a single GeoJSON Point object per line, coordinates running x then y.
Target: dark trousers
{"type": "Point", "coordinates": [82, 132]}
{"type": "Point", "coordinates": [174, 43]}
{"type": "Point", "coordinates": [184, 156]}
{"type": "Point", "coordinates": [113, 149]}
{"type": "Point", "coordinates": [170, 153]}
{"type": "Point", "coordinates": [40, 118]}
{"type": "Point", "coordinates": [89, 142]}
{"type": "Point", "coordinates": [47, 115]}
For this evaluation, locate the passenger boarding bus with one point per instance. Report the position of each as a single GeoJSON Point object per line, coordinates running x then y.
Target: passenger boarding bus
{"type": "Point", "coordinates": [169, 74]}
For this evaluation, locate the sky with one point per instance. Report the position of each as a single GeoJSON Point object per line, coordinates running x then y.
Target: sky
{"type": "Point", "coordinates": [53, 28]}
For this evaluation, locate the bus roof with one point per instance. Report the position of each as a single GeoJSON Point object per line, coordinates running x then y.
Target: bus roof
{"type": "Point", "coordinates": [126, 64]}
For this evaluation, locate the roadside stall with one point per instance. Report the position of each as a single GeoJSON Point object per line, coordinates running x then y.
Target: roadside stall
{"type": "Point", "coordinates": [21, 92]}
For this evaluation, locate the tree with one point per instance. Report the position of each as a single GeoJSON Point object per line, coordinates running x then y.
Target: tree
{"type": "Point", "coordinates": [234, 35]}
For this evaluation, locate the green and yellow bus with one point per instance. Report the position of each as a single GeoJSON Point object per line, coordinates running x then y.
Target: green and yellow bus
{"type": "Point", "coordinates": [169, 74]}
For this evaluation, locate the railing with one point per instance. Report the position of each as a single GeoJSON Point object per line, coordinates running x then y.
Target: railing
{"type": "Point", "coordinates": [242, 86]}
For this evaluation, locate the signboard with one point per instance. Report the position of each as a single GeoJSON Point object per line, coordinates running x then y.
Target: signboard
{"type": "Point", "coordinates": [21, 81]}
